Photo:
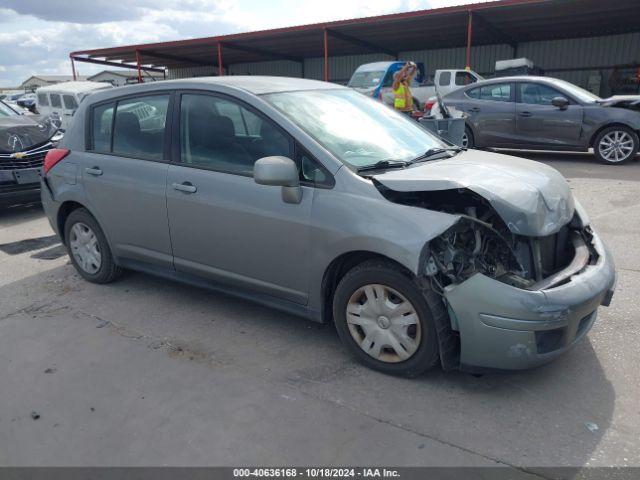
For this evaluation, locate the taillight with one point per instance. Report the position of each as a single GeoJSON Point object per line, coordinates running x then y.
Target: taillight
{"type": "Point", "coordinates": [429, 105]}
{"type": "Point", "coordinates": [54, 156]}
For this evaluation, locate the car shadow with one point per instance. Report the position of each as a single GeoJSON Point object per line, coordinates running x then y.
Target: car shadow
{"type": "Point", "coordinates": [17, 214]}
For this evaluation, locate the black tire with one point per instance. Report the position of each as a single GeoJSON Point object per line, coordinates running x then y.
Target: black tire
{"type": "Point", "coordinates": [108, 271]}
{"type": "Point", "coordinates": [632, 135]}
{"type": "Point", "coordinates": [426, 303]}
{"type": "Point", "coordinates": [470, 142]}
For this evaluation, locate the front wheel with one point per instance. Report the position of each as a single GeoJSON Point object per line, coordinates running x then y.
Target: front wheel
{"type": "Point", "coordinates": [386, 320]}
{"type": "Point", "coordinates": [616, 145]}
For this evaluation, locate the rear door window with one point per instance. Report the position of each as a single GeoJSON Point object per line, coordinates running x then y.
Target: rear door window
{"type": "Point", "coordinates": [500, 92]}
{"type": "Point", "coordinates": [139, 127]}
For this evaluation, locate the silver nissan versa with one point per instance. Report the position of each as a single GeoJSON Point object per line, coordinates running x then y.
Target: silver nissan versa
{"type": "Point", "coordinates": [312, 198]}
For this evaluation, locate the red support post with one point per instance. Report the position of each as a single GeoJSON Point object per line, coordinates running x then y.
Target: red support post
{"type": "Point", "coordinates": [73, 67]}
{"type": "Point", "coordinates": [469, 33]}
{"type": "Point", "coordinates": [220, 67]}
{"type": "Point", "coordinates": [139, 66]}
{"type": "Point", "coordinates": [326, 55]}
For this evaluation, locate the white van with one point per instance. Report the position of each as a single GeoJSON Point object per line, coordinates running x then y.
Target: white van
{"type": "Point", "coordinates": [62, 99]}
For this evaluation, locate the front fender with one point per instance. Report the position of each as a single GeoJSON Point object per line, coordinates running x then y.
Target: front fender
{"type": "Point", "coordinates": [345, 222]}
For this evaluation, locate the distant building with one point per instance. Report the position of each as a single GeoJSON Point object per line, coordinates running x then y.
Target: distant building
{"type": "Point", "coordinates": [118, 78]}
{"type": "Point", "coordinates": [37, 81]}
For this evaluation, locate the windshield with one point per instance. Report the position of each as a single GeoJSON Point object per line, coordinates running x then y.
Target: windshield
{"type": "Point", "coordinates": [6, 111]}
{"type": "Point", "coordinates": [357, 130]}
{"type": "Point", "coordinates": [366, 79]}
{"type": "Point", "coordinates": [579, 93]}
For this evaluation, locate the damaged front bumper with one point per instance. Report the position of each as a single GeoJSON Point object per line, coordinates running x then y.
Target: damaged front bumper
{"type": "Point", "coordinates": [508, 328]}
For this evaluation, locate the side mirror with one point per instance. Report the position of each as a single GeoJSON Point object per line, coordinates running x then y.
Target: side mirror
{"type": "Point", "coordinates": [279, 172]}
{"type": "Point", "coordinates": [560, 102]}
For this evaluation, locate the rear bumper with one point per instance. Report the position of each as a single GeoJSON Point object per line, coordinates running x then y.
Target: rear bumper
{"type": "Point", "coordinates": [507, 328]}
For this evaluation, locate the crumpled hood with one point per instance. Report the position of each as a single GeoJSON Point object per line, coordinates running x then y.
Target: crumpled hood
{"type": "Point", "coordinates": [626, 101]}
{"type": "Point", "coordinates": [532, 198]}
{"type": "Point", "coordinates": [23, 132]}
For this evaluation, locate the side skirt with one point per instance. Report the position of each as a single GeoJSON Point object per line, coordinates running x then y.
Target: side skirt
{"type": "Point", "coordinates": [255, 297]}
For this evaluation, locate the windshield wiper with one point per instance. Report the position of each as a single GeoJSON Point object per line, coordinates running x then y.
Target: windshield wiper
{"type": "Point", "coordinates": [435, 151]}
{"type": "Point", "coordinates": [383, 164]}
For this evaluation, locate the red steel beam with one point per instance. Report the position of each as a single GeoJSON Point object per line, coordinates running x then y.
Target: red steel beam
{"type": "Point", "coordinates": [115, 64]}
{"type": "Point", "coordinates": [220, 67]}
{"type": "Point", "coordinates": [469, 33]}
{"type": "Point", "coordinates": [73, 68]}
{"type": "Point", "coordinates": [139, 66]}
{"type": "Point", "coordinates": [326, 55]}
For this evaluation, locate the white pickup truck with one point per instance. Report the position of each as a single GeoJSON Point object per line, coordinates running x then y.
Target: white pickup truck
{"type": "Point", "coordinates": [375, 80]}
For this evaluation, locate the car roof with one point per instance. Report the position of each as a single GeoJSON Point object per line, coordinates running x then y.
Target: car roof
{"type": "Point", "coordinates": [517, 78]}
{"type": "Point", "coordinates": [375, 66]}
{"type": "Point", "coordinates": [74, 87]}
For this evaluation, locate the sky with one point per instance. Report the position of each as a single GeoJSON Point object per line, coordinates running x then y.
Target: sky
{"type": "Point", "coordinates": [36, 36]}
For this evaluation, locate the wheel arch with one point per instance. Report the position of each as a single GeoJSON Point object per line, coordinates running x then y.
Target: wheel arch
{"type": "Point", "coordinates": [338, 267]}
{"type": "Point", "coordinates": [66, 208]}
{"type": "Point", "coordinates": [608, 125]}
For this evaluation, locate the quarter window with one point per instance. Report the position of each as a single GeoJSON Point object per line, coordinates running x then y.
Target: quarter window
{"type": "Point", "coordinates": [499, 92]}
{"type": "Point", "coordinates": [537, 94]}
{"type": "Point", "coordinates": [139, 127]}
{"type": "Point", "coordinates": [221, 134]}
{"type": "Point", "coordinates": [102, 120]}
{"type": "Point", "coordinates": [43, 100]}
{"type": "Point", "coordinates": [55, 100]}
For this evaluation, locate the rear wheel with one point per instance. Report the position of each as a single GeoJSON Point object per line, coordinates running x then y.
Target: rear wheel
{"type": "Point", "coordinates": [467, 138]}
{"type": "Point", "coordinates": [385, 320]}
{"type": "Point", "coordinates": [616, 145]}
{"type": "Point", "coordinates": [88, 248]}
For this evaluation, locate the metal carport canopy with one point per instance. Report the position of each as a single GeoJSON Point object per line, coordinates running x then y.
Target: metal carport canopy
{"type": "Point", "coordinates": [505, 22]}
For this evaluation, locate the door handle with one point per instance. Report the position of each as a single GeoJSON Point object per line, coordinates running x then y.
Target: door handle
{"type": "Point", "coordinates": [95, 171]}
{"type": "Point", "coordinates": [474, 109]}
{"type": "Point", "coordinates": [186, 187]}
{"type": "Point", "coordinates": [526, 114]}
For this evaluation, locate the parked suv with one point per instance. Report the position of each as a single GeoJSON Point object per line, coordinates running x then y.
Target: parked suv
{"type": "Point", "coordinates": [315, 199]}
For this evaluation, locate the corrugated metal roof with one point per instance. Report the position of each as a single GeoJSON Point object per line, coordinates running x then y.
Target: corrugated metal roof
{"type": "Point", "coordinates": [500, 22]}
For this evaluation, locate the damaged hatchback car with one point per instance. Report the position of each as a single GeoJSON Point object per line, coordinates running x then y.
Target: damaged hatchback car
{"type": "Point", "coordinates": [314, 199]}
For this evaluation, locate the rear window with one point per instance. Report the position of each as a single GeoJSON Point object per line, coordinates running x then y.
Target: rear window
{"type": "Point", "coordinates": [43, 99]}
{"type": "Point", "coordinates": [138, 128]}
{"type": "Point", "coordinates": [366, 79]}
{"type": "Point", "coordinates": [55, 100]}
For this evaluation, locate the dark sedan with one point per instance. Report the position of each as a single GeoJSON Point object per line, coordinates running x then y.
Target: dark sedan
{"type": "Point", "coordinates": [541, 113]}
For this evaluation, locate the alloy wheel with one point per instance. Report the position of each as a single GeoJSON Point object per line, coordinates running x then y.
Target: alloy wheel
{"type": "Point", "coordinates": [383, 323]}
{"type": "Point", "coordinates": [616, 146]}
{"type": "Point", "coordinates": [85, 248]}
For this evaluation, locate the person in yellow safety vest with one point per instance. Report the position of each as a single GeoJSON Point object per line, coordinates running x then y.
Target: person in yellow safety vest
{"type": "Point", "coordinates": [402, 97]}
